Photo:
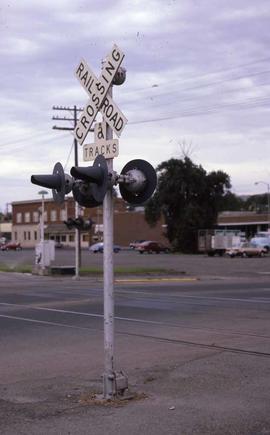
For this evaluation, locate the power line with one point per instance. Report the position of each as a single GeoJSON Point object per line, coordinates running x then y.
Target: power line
{"type": "Point", "coordinates": [12, 142]}
{"type": "Point", "coordinates": [189, 112]}
{"type": "Point", "coordinates": [205, 75]}
{"type": "Point", "coordinates": [207, 85]}
{"type": "Point", "coordinates": [41, 137]}
{"type": "Point", "coordinates": [208, 110]}
{"type": "Point", "coordinates": [200, 97]}
{"type": "Point", "coordinates": [48, 137]}
{"type": "Point", "coordinates": [192, 111]}
{"type": "Point", "coordinates": [218, 82]}
{"type": "Point", "coordinates": [69, 154]}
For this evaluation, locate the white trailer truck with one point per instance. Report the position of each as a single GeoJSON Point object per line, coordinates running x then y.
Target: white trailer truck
{"type": "Point", "coordinates": [215, 242]}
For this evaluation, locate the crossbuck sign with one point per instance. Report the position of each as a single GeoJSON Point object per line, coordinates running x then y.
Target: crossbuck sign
{"type": "Point", "coordinates": [99, 100]}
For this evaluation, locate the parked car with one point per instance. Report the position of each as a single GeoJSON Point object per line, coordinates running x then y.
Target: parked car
{"type": "Point", "coordinates": [150, 247]}
{"type": "Point", "coordinates": [247, 249]}
{"type": "Point", "coordinates": [135, 243]}
{"type": "Point", "coordinates": [262, 238]}
{"type": "Point", "coordinates": [58, 245]}
{"type": "Point", "coordinates": [11, 246]}
{"type": "Point", "coordinates": [98, 247]}
{"type": "Point", "coordinates": [233, 252]}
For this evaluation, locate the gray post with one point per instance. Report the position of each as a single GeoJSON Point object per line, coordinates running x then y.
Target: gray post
{"type": "Point", "coordinates": [77, 231]}
{"type": "Point", "coordinates": [42, 224]}
{"type": "Point", "coordinates": [77, 245]}
{"type": "Point", "coordinates": [42, 233]}
{"type": "Point", "coordinates": [268, 206]}
{"type": "Point", "coordinates": [108, 276]}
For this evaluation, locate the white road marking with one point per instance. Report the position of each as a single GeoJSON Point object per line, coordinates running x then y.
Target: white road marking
{"type": "Point", "coordinates": [79, 313]}
{"type": "Point", "coordinates": [126, 319]}
{"type": "Point", "coordinates": [25, 319]}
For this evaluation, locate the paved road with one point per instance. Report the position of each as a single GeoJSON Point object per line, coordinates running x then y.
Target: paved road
{"type": "Point", "coordinates": [196, 265]}
{"type": "Point", "coordinates": [197, 354]}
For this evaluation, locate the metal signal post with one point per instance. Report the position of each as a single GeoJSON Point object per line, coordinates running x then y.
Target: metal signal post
{"type": "Point", "coordinates": [93, 185]}
{"type": "Point", "coordinates": [108, 276]}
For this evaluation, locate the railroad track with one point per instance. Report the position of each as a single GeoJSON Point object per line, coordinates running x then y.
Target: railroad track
{"type": "Point", "coordinates": [212, 346]}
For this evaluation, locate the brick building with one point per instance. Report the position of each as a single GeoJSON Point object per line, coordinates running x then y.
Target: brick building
{"type": "Point", "coordinates": [249, 222]}
{"type": "Point", "coordinates": [128, 225]}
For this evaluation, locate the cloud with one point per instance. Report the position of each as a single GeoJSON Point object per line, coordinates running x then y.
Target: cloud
{"type": "Point", "coordinates": [196, 70]}
{"type": "Point", "coordinates": [19, 47]}
{"type": "Point", "coordinates": [244, 13]}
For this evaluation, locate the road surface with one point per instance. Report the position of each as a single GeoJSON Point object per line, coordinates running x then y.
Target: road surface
{"type": "Point", "coordinates": [196, 352]}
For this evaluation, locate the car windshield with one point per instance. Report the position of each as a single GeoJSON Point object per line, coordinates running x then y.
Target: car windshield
{"type": "Point", "coordinates": [249, 245]}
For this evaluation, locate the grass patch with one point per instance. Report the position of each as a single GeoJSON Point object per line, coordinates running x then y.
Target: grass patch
{"type": "Point", "coordinates": [128, 271]}
{"type": "Point", "coordinates": [98, 271]}
{"type": "Point", "coordinates": [91, 271]}
{"type": "Point", "coordinates": [23, 268]}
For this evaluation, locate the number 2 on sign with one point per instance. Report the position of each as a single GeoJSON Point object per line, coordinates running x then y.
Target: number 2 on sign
{"type": "Point", "coordinates": [100, 131]}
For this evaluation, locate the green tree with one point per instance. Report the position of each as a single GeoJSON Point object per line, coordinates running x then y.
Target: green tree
{"type": "Point", "coordinates": [257, 203]}
{"type": "Point", "coordinates": [188, 199]}
{"type": "Point", "coordinates": [232, 202]}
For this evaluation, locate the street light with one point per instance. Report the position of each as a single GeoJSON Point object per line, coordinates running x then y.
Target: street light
{"type": "Point", "coordinates": [268, 199]}
{"type": "Point", "coordinates": [42, 193]}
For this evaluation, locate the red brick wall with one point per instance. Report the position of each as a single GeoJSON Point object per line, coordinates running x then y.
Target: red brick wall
{"type": "Point", "coordinates": [131, 226]}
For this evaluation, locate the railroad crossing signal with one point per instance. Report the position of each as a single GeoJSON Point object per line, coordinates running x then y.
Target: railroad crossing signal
{"type": "Point", "coordinates": [99, 100]}
{"type": "Point", "coordinates": [137, 181]}
{"type": "Point", "coordinates": [79, 223]}
{"type": "Point", "coordinates": [59, 182]}
{"type": "Point", "coordinates": [91, 186]}
{"type": "Point", "coordinates": [96, 176]}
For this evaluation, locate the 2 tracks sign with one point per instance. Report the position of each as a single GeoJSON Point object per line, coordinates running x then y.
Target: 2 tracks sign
{"type": "Point", "coordinates": [107, 148]}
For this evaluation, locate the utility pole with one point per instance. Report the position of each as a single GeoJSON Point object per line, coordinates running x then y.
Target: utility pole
{"type": "Point", "coordinates": [42, 219]}
{"type": "Point", "coordinates": [73, 117]}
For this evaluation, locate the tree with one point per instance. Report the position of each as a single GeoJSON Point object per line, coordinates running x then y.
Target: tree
{"type": "Point", "coordinates": [232, 202]}
{"type": "Point", "coordinates": [257, 203]}
{"type": "Point", "coordinates": [5, 217]}
{"type": "Point", "coordinates": [188, 199]}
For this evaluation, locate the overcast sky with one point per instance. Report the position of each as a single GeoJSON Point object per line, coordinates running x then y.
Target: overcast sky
{"type": "Point", "coordinates": [198, 80]}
